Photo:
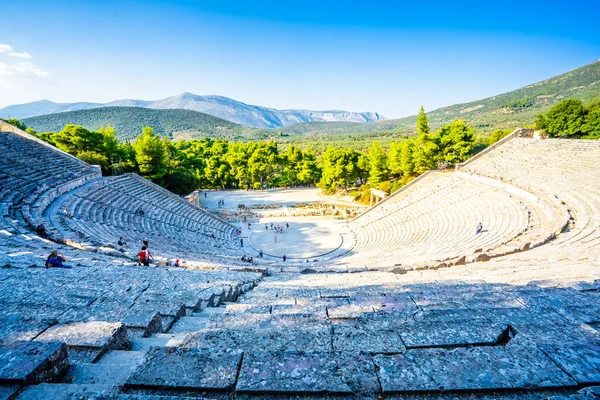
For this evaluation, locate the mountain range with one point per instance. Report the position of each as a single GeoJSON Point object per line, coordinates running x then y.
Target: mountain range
{"type": "Point", "coordinates": [509, 110]}
{"type": "Point", "coordinates": [217, 106]}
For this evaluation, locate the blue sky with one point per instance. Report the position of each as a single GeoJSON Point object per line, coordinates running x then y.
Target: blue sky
{"type": "Point", "coordinates": [384, 56]}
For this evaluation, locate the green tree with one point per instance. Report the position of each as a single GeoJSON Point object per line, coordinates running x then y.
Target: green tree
{"type": "Point", "coordinates": [456, 141]}
{"type": "Point", "coordinates": [395, 159]}
{"type": "Point", "coordinates": [75, 139]}
{"type": "Point", "coordinates": [566, 118]}
{"type": "Point", "coordinates": [592, 121]}
{"type": "Point", "coordinates": [151, 155]}
{"type": "Point", "coordinates": [407, 163]}
{"type": "Point", "coordinates": [378, 161]}
{"type": "Point", "coordinates": [422, 122]}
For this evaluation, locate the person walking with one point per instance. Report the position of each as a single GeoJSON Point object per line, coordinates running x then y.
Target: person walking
{"type": "Point", "coordinates": [241, 242]}
{"type": "Point", "coordinates": [284, 257]}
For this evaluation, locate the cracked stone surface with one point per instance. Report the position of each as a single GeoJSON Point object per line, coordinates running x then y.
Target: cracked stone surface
{"type": "Point", "coordinates": [582, 362]}
{"type": "Point", "coordinates": [32, 362]}
{"type": "Point", "coordinates": [359, 336]}
{"type": "Point", "coordinates": [434, 334]}
{"type": "Point", "coordinates": [308, 372]}
{"type": "Point", "coordinates": [474, 368]}
{"type": "Point", "coordinates": [170, 367]}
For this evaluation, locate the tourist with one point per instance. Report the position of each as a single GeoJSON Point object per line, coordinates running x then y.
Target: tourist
{"type": "Point", "coordinates": [176, 263]}
{"type": "Point", "coordinates": [204, 194]}
{"type": "Point", "coordinates": [266, 227]}
{"type": "Point", "coordinates": [142, 212]}
{"type": "Point", "coordinates": [284, 257]}
{"type": "Point", "coordinates": [275, 237]}
{"type": "Point", "coordinates": [66, 213]}
{"type": "Point", "coordinates": [479, 229]}
{"type": "Point", "coordinates": [287, 225]}
{"type": "Point", "coordinates": [144, 256]}
{"type": "Point", "coordinates": [122, 241]}
{"type": "Point", "coordinates": [249, 225]}
{"type": "Point", "coordinates": [260, 254]}
{"type": "Point", "coordinates": [244, 258]}
{"type": "Point", "coordinates": [56, 260]}
{"type": "Point", "coordinates": [41, 231]}
{"type": "Point", "coordinates": [241, 242]}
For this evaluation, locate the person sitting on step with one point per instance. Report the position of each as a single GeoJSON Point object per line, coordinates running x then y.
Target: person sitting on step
{"type": "Point", "coordinates": [144, 256]}
{"type": "Point", "coordinates": [41, 231]}
{"type": "Point", "coordinates": [56, 260]}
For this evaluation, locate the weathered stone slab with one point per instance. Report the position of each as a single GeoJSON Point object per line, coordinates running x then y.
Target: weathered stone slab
{"type": "Point", "coordinates": [15, 329]}
{"type": "Point", "coordinates": [94, 334]}
{"type": "Point", "coordinates": [350, 311]}
{"type": "Point", "coordinates": [315, 310]}
{"type": "Point", "coordinates": [359, 337]}
{"type": "Point", "coordinates": [171, 308]}
{"type": "Point", "coordinates": [256, 339]}
{"type": "Point", "coordinates": [64, 391]}
{"type": "Point", "coordinates": [186, 368]}
{"type": "Point", "coordinates": [473, 368]}
{"type": "Point", "coordinates": [453, 315]}
{"type": "Point", "coordinates": [582, 362]}
{"type": "Point", "coordinates": [146, 321]}
{"type": "Point", "coordinates": [32, 362]}
{"type": "Point", "coordinates": [435, 334]}
{"type": "Point", "coordinates": [308, 372]}
{"type": "Point", "coordinates": [550, 333]}
{"type": "Point", "coordinates": [248, 308]}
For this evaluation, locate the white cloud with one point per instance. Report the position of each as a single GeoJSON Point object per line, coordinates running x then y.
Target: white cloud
{"type": "Point", "coordinates": [8, 49]}
{"type": "Point", "coordinates": [23, 67]}
{"type": "Point", "coordinates": [22, 54]}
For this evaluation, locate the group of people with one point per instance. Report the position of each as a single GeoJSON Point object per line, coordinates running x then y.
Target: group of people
{"type": "Point", "coordinates": [247, 259]}
{"type": "Point", "coordinates": [276, 228]}
{"type": "Point", "coordinates": [221, 202]}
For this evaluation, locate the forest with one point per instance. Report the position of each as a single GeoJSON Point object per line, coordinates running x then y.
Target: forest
{"type": "Point", "coordinates": [185, 165]}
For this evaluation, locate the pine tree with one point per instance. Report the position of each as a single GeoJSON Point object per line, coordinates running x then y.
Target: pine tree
{"type": "Point", "coordinates": [151, 155]}
{"type": "Point", "coordinates": [378, 161]}
{"type": "Point", "coordinates": [422, 122]}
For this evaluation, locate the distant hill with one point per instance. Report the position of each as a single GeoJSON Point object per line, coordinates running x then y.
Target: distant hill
{"type": "Point", "coordinates": [129, 121]}
{"type": "Point", "coordinates": [504, 111]}
{"type": "Point", "coordinates": [218, 106]}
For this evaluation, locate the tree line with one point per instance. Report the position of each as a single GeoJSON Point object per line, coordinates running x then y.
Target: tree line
{"type": "Point", "coordinates": [184, 166]}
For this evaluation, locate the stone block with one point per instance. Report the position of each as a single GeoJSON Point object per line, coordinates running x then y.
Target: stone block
{"type": "Point", "coordinates": [471, 368]}
{"type": "Point", "coordinates": [185, 368]}
{"type": "Point", "coordinates": [444, 334]}
{"type": "Point", "coordinates": [32, 362]}
{"type": "Point", "coordinates": [63, 391]}
{"type": "Point", "coordinates": [254, 339]}
{"type": "Point", "coordinates": [582, 362]}
{"type": "Point", "coordinates": [292, 372]}
{"type": "Point", "coordinates": [359, 337]}
{"type": "Point", "coordinates": [93, 334]}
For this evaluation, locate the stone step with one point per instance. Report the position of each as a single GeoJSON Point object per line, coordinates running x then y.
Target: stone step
{"type": "Point", "coordinates": [32, 362]}
{"type": "Point", "coordinates": [87, 340]}
{"type": "Point", "coordinates": [64, 391]}
{"type": "Point", "coordinates": [157, 340]}
{"type": "Point", "coordinates": [189, 324]}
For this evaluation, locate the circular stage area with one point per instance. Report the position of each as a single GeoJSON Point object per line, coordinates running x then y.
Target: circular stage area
{"type": "Point", "coordinates": [309, 238]}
